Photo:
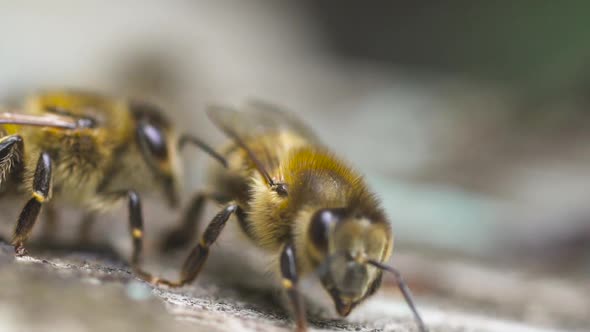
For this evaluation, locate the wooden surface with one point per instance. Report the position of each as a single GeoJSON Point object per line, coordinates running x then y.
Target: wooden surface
{"type": "Point", "coordinates": [85, 291]}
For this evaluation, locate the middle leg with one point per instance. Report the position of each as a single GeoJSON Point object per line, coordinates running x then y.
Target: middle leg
{"type": "Point", "coordinates": [197, 257]}
{"type": "Point", "coordinates": [288, 265]}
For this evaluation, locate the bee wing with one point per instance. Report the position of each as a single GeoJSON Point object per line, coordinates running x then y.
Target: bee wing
{"type": "Point", "coordinates": [51, 120]}
{"type": "Point", "coordinates": [259, 117]}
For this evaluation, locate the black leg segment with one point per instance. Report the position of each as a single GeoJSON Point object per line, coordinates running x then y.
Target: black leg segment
{"type": "Point", "coordinates": [197, 257]}
{"type": "Point", "coordinates": [288, 262]}
{"type": "Point", "coordinates": [137, 232]}
{"type": "Point", "coordinates": [41, 194]}
{"type": "Point", "coordinates": [42, 179]}
{"type": "Point", "coordinates": [135, 226]}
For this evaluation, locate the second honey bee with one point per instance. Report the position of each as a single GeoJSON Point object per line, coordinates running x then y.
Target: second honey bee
{"type": "Point", "coordinates": [88, 151]}
{"type": "Point", "coordinates": [296, 199]}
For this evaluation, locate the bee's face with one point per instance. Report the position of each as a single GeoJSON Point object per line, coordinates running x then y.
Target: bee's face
{"type": "Point", "coordinates": [346, 242]}
{"type": "Point", "coordinates": [157, 144]}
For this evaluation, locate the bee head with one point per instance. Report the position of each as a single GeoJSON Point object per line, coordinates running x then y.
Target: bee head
{"type": "Point", "coordinates": [157, 143]}
{"type": "Point", "coordinates": [344, 241]}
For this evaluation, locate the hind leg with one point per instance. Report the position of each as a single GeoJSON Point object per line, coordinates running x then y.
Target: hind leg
{"type": "Point", "coordinates": [41, 194]}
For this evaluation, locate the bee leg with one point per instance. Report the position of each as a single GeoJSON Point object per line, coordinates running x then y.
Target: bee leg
{"type": "Point", "coordinates": [136, 230]}
{"type": "Point", "coordinates": [11, 148]}
{"type": "Point", "coordinates": [288, 266]}
{"type": "Point", "coordinates": [197, 257]}
{"type": "Point", "coordinates": [41, 194]}
{"type": "Point", "coordinates": [184, 233]}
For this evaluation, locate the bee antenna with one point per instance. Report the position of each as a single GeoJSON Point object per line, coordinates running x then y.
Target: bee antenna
{"type": "Point", "coordinates": [185, 138]}
{"type": "Point", "coordinates": [403, 287]}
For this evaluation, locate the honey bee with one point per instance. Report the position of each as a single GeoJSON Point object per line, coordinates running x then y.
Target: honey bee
{"type": "Point", "coordinates": [297, 200]}
{"type": "Point", "coordinates": [89, 151]}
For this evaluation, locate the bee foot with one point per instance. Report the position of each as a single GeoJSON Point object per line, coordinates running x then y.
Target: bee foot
{"type": "Point", "coordinates": [19, 250]}
{"type": "Point", "coordinates": [166, 283]}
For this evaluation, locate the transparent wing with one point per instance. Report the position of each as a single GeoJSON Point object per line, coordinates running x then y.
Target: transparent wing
{"type": "Point", "coordinates": [50, 120]}
{"type": "Point", "coordinates": [258, 117]}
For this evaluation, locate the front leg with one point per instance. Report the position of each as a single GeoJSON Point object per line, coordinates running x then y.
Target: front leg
{"type": "Point", "coordinates": [42, 186]}
{"type": "Point", "coordinates": [288, 262]}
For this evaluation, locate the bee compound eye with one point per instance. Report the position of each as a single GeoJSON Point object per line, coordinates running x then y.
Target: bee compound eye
{"type": "Point", "coordinates": [154, 140]}
{"type": "Point", "coordinates": [321, 223]}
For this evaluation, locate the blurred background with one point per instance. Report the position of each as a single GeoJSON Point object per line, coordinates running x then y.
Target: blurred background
{"type": "Point", "coordinates": [470, 120]}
